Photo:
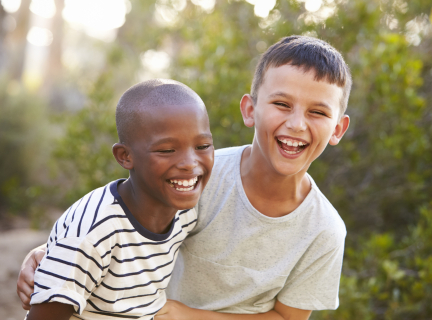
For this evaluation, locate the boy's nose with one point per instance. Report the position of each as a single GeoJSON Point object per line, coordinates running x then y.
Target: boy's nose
{"type": "Point", "coordinates": [296, 121]}
{"type": "Point", "coordinates": [188, 161]}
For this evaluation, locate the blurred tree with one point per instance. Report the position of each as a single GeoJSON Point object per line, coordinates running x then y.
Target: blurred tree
{"type": "Point", "coordinates": [84, 153]}
{"type": "Point", "coordinates": [388, 277]}
{"type": "Point", "coordinates": [55, 65]}
{"type": "Point", "coordinates": [24, 146]}
{"type": "Point", "coordinates": [18, 40]}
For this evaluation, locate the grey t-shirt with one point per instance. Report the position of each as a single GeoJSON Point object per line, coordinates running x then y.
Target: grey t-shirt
{"type": "Point", "coordinates": [238, 260]}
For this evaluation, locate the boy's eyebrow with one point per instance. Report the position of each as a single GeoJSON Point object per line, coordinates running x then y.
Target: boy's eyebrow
{"type": "Point", "coordinates": [288, 96]}
{"type": "Point", "coordinates": [172, 139]}
{"type": "Point", "coordinates": [280, 94]}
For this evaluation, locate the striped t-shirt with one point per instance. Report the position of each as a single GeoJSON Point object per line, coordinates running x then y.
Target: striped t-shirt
{"type": "Point", "coordinates": [102, 261]}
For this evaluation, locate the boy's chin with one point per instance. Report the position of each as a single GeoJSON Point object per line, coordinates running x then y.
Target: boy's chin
{"type": "Point", "coordinates": [290, 169]}
{"type": "Point", "coordinates": [182, 204]}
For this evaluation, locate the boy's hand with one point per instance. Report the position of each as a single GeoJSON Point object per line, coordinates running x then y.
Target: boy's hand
{"type": "Point", "coordinates": [25, 282]}
{"type": "Point", "coordinates": [174, 310]}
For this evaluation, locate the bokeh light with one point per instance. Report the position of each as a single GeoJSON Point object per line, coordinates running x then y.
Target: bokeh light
{"type": "Point", "coordinates": [40, 36]}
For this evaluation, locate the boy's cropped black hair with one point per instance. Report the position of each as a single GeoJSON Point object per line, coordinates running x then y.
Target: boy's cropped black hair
{"type": "Point", "coordinates": [306, 53]}
{"type": "Point", "coordinates": [146, 94]}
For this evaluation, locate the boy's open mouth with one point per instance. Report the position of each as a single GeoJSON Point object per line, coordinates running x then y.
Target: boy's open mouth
{"type": "Point", "coordinates": [184, 184]}
{"type": "Point", "coordinates": [292, 146]}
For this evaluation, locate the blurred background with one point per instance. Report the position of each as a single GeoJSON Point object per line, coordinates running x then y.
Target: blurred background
{"type": "Point", "coordinates": [65, 63]}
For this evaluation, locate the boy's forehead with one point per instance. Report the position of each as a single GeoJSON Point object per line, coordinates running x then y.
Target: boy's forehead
{"type": "Point", "coordinates": [287, 71]}
{"type": "Point", "coordinates": [156, 118]}
{"type": "Point", "coordinates": [270, 72]}
{"type": "Point", "coordinates": [167, 111]}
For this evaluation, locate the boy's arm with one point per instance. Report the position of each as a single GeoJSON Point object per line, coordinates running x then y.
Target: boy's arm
{"type": "Point", "coordinates": [50, 311]}
{"type": "Point", "coordinates": [174, 310]}
{"type": "Point", "coordinates": [25, 282]}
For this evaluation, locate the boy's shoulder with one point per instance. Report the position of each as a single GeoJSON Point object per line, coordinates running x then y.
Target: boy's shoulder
{"type": "Point", "coordinates": [227, 158]}
{"type": "Point", "coordinates": [225, 169]}
{"type": "Point", "coordinates": [89, 213]}
{"type": "Point", "coordinates": [230, 151]}
{"type": "Point", "coordinates": [325, 212]}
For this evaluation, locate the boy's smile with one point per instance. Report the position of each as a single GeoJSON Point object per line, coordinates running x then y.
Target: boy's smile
{"type": "Point", "coordinates": [295, 117]}
{"type": "Point", "coordinates": [184, 184]}
{"type": "Point", "coordinates": [291, 146]}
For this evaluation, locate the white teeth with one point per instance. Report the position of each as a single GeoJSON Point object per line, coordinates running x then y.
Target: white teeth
{"type": "Point", "coordinates": [186, 183]}
{"type": "Point", "coordinates": [184, 189]}
{"type": "Point", "coordinates": [293, 144]}
{"type": "Point", "coordinates": [291, 152]}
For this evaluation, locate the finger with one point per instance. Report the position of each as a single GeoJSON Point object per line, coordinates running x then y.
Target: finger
{"type": "Point", "coordinates": [27, 276]}
{"type": "Point", "coordinates": [38, 256]}
{"type": "Point", "coordinates": [25, 301]}
{"type": "Point", "coordinates": [25, 289]}
{"type": "Point", "coordinates": [25, 306]}
{"type": "Point", "coordinates": [33, 258]}
{"type": "Point", "coordinates": [25, 286]}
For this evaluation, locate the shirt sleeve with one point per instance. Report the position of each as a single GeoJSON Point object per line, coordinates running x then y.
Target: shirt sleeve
{"type": "Point", "coordinates": [68, 273]}
{"type": "Point", "coordinates": [316, 285]}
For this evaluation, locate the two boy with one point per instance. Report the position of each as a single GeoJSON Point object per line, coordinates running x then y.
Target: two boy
{"type": "Point", "coordinates": [268, 244]}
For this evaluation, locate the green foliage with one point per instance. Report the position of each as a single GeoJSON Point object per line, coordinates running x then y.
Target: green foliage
{"type": "Point", "coordinates": [85, 150]}
{"type": "Point", "coordinates": [387, 151]}
{"type": "Point", "coordinates": [388, 278]}
{"type": "Point", "coordinates": [23, 147]}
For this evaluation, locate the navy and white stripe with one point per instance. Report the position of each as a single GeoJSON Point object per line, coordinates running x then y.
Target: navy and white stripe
{"type": "Point", "coordinates": [104, 263]}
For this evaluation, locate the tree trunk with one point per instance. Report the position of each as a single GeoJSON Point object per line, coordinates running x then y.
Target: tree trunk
{"type": "Point", "coordinates": [2, 38]}
{"type": "Point", "coordinates": [19, 40]}
{"type": "Point", "coordinates": [55, 66]}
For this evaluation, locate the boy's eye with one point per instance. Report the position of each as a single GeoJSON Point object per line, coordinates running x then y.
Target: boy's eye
{"type": "Point", "coordinates": [204, 147]}
{"type": "Point", "coordinates": [281, 104]}
{"type": "Point", "coordinates": [319, 113]}
{"type": "Point", "coordinates": [166, 151]}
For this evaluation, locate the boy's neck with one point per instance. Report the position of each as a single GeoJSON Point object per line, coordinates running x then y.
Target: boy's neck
{"type": "Point", "coordinates": [271, 194]}
{"type": "Point", "coordinates": [151, 215]}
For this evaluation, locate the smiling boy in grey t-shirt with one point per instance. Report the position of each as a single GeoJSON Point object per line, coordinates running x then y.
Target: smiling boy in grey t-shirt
{"type": "Point", "coordinates": [268, 243]}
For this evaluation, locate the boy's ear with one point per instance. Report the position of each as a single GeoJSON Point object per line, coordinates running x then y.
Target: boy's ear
{"type": "Point", "coordinates": [340, 130]}
{"type": "Point", "coordinates": [247, 110]}
{"type": "Point", "coordinates": [122, 154]}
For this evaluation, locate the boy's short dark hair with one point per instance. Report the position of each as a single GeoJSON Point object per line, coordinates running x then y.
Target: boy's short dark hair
{"type": "Point", "coordinates": [153, 92]}
{"type": "Point", "coordinates": [306, 53]}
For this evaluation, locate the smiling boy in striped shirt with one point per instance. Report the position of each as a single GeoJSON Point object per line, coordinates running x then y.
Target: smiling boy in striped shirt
{"type": "Point", "coordinates": [111, 254]}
